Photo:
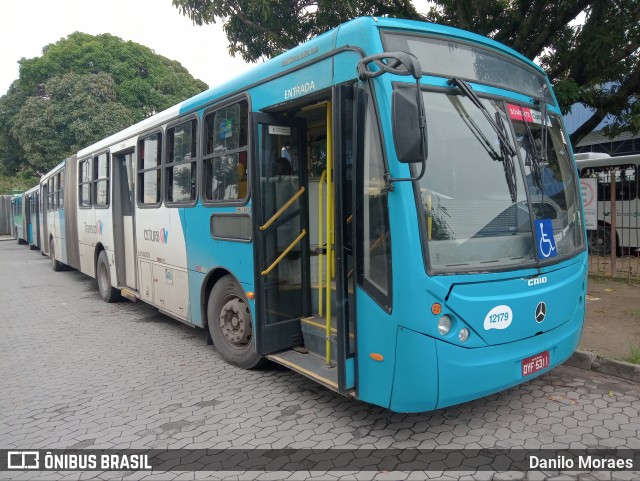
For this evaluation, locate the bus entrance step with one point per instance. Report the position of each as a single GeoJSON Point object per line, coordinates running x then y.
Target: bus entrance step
{"type": "Point", "coordinates": [314, 334]}
{"type": "Point", "coordinates": [309, 365]}
{"type": "Point", "coordinates": [129, 294]}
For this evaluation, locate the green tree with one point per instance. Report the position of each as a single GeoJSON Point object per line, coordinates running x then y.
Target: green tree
{"type": "Point", "coordinates": [146, 83]}
{"type": "Point", "coordinates": [596, 62]}
{"type": "Point", "coordinates": [83, 88]}
{"type": "Point", "coordinates": [77, 107]}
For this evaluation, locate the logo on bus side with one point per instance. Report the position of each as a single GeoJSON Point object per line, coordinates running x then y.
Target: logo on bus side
{"type": "Point", "coordinates": [94, 228]}
{"type": "Point", "coordinates": [499, 317]}
{"type": "Point", "coordinates": [161, 236]}
{"type": "Point", "coordinates": [536, 281]}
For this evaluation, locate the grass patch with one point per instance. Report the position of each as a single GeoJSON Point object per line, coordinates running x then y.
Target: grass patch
{"type": "Point", "coordinates": [634, 354]}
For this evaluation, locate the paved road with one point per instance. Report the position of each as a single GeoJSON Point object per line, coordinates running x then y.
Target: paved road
{"type": "Point", "coordinates": [77, 372]}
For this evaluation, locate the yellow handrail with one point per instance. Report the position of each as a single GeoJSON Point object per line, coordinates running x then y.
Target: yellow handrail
{"type": "Point", "coordinates": [283, 208]}
{"type": "Point", "coordinates": [286, 251]}
{"type": "Point", "coordinates": [323, 178]}
{"type": "Point", "coordinates": [329, 231]}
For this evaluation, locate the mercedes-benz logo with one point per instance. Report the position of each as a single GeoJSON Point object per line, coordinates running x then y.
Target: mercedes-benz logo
{"type": "Point", "coordinates": [541, 312]}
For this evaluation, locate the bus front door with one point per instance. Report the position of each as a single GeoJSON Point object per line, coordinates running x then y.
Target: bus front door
{"type": "Point", "coordinates": [281, 232]}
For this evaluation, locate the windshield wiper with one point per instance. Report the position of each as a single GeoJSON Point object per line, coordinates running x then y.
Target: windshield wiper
{"type": "Point", "coordinates": [465, 88]}
{"type": "Point", "coordinates": [476, 131]}
{"type": "Point", "coordinates": [533, 156]}
{"type": "Point", "coordinates": [507, 149]}
{"type": "Point", "coordinates": [543, 114]}
{"type": "Point", "coordinates": [509, 164]}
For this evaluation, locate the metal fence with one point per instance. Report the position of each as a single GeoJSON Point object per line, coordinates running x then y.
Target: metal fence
{"type": "Point", "coordinates": [613, 221]}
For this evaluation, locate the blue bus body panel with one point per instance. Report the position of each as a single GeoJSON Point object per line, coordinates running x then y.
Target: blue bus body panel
{"type": "Point", "coordinates": [205, 254]}
{"type": "Point", "coordinates": [467, 374]}
{"type": "Point", "coordinates": [416, 386]}
{"type": "Point", "coordinates": [489, 361]}
{"type": "Point", "coordinates": [376, 334]}
{"type": "Point", "coordinates": [562, 291]}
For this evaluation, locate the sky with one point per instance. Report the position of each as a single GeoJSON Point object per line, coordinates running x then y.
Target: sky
{"type": "Point", "coordinates": [26, 27]}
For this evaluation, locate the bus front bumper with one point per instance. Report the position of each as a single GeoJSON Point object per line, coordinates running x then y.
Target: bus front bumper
{"type": "Point", "coordinates": [451, 374]}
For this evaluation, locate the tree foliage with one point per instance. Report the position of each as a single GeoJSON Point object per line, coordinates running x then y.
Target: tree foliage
{"type": "Point", "coordinates": [596, 62]}
{"type": "Point", "coordinates": [83, 88]}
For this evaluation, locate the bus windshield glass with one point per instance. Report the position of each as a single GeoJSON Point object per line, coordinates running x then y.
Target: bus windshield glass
{"type": "Point", "coordinates": [477, 215]}
{"type": "Point", "coordinates": [448, 58]}
{"type": "Point", "coordinates": [475, 201]}
{"type": "Point", "coordinates": [550, 177]}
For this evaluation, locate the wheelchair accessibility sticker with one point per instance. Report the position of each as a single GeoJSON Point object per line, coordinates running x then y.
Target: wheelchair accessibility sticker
{"type": "Point", "coordinates": [546, 242]}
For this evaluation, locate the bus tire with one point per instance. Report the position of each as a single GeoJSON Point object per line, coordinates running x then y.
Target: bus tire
{"type": "Point", "coordinates": [103, 276]}
{"type": "Point", "coordinates": [600, 242]}
{"type": "Point", "coordinates": [55, 264]}
{"type": "Point", "coordinates": [33, 247]}
{"type": "Point", "coordinates": [230, 325]}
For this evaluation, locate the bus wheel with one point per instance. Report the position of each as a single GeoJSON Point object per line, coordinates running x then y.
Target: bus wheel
{"type": "Point", "coordinates": [103, 276]}
{"type": "Point", "coordinates": [599, 242]}
{"type": "Point", "coordinates": [230, 326]}
{"type": "Point", "coordinates": [55, 264]}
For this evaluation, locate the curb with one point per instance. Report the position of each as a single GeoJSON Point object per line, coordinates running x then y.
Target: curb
{"type": "Point", "coordinates": [590, 361]}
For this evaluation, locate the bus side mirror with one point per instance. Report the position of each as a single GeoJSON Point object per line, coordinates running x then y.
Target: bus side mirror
{"type": "Point", "coordinates": [408, 136]}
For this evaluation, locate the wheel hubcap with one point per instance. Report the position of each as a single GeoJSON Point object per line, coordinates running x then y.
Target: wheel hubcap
{"type": "Point", "coordinates": [235, 322]}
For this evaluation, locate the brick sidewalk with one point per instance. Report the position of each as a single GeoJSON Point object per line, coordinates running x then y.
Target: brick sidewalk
{"type": "Point", "coordinates": [77, 372]}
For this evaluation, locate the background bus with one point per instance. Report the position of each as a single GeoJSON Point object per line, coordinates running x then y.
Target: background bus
{"type": "Point", "coordinates": [624, 172]}
{"type": "Point", "coordinates": [19, 218]}
{"type": "Point", "coordinates": [286, 213]}
{"type": "Point", "coordinates": [31, 199]}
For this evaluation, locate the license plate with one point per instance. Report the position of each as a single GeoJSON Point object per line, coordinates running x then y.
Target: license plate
{"type": "Point", "coordinates": [535, 363]}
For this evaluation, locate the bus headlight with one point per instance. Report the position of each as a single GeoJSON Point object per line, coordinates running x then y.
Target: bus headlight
{"type": "Point", "coordinates": [444, 325]}
{"type": "Point", "coordinates": [463, 335]}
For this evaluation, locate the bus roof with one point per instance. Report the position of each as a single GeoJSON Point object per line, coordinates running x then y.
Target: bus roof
{"type": "Point", "coordinates": [322, 44]}
{"type": "Point", "coordinates": [583, 161]}
{"type": "Point", "coordinates": [54, 170]}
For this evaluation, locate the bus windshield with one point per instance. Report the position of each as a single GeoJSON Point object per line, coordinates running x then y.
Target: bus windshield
{"type": "Point", "coordinates": [551, 179]}
{"type": "Point", "coordinates": [445, 57]}
{"type": "Point", "coordinates": [474, 193]}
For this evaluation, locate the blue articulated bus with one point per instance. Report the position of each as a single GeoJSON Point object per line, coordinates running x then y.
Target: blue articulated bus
{"type": "Point", "coordinates": [390, 209]}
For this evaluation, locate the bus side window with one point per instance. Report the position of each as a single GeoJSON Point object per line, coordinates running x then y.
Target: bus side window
{"type": "Point", "coordinates": [84, 183]}
{"type": "Point", "coordinates": [375, 247]}
{"type": "Point", "coordinates": [225, 153]}
{"type": "Point", "coordinates": [101, 180]}
{"type": "Point", "coordinates": [180, 167]}
{"type": "Point", "coordinates": [149, 169]}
